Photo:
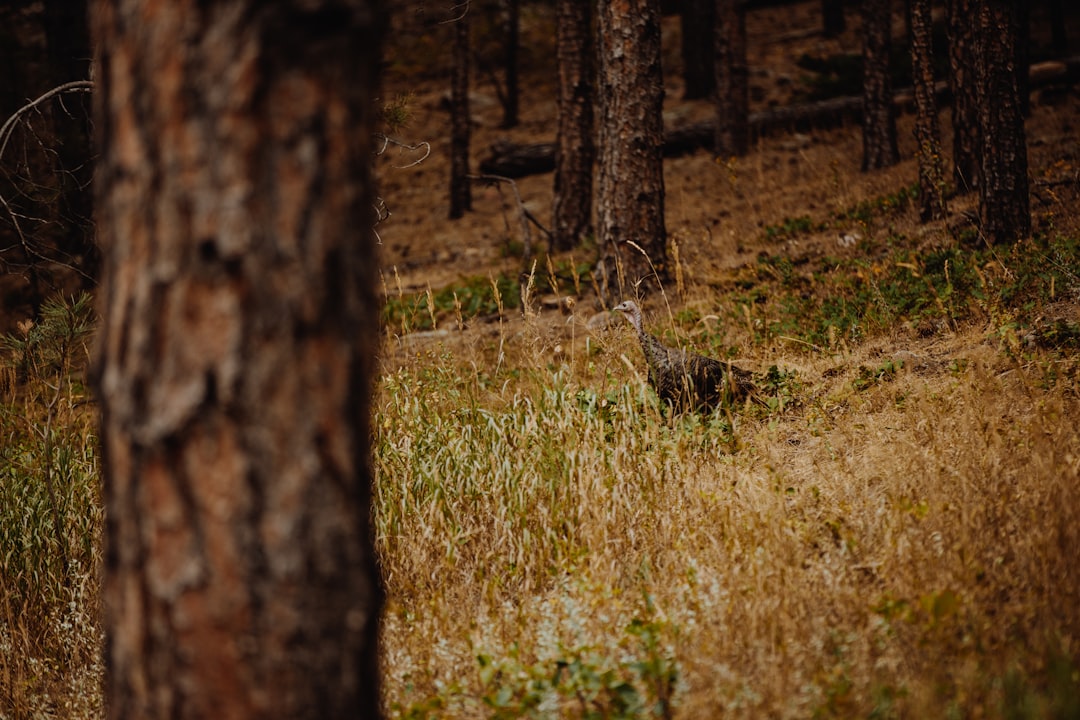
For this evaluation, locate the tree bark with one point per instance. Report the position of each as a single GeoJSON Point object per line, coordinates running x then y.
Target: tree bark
{"type": "Point", "coordinates": [832, 17]}
{"type": "Point", "coordinates": [512, 29]}
{"type": "Point", "coordinates": [46, 233]}
{"type": "Point", "coordinates": [698, 17]}
{"type": "Point", "coordinates": [68, 38]}
{"type": "Point", "coordinates": [965, 116]}
{"type": "Point", "coordinates": [460, 187]}
{"type": "Point", "coordinates": [575, 149]}
{"type": "Point", "coordinates": [732, 80]}
{"type": "Point", "coordinates": [931, 169]}
{"type": "Point", "coordinates": [630, 186]}
{"type": "Point", "coordinates": [1022, 52]}
{"type": "Point", "coordinates": [1059, 38]}
{"type": "Point", "coordinates": [1004, 200]}
{"type": "Point", "coordinates": [235, 356]}
{"type": "Point", "coordinates": [879, 119]}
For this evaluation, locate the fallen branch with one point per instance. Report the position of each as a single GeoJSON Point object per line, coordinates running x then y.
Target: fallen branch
{"type": "Point", "coordinates": [519, 160]}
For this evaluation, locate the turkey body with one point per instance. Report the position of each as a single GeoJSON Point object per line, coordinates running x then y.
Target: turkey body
{"type": "Point", "coordinates": [687, 380]}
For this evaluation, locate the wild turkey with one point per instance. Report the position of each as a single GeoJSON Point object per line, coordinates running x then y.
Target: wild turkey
{"type": "Point", "coordinates": [687, 380]}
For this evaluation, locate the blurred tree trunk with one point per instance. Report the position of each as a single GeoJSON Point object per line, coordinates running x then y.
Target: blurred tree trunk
{"type": "Point", "coordinates": [1059, 37]}
{"type": "Point", "coordinates": [234, 361]}
{"type": "Point", "coordinates": [698, 18]}
{"type": "Point", "coordinates": [879, 118]}
{"type": "Point", "coordinates": [833, 21]}
{"type": "Point", "coordinates": [24, 66]}
{"type": "Point", "coordinates": [965, 116]}
{"type": "Point", "coordinates": [47, 234]}
{"type": "Point", "coordinates": [630, 185]}
{"type": "Point", "coordinates": [732, 80]}
{"type": "Point", "coordinates": [512, 31]}
{"type": "Point", "coordinates": [575, 150]}
{"type": "Point", "coordinates": [1004, 201]}
{"type": "Point", "coordinates": [906, 8]}
{"type": "Point", "coordinates": [1022, 53]}
{"type": "Point", "coordinates": [931, 167]}
{"type": "Point", "coordinates": [24, 74]}
{"type": "Point", "coordinates": [68, 38]}
{"type": "Point", "coordinates": [460, 185]}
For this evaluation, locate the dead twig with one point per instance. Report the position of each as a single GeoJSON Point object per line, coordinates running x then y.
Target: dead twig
{"type": "Point", "coordinates": [388, 141]}
{"type": "Point", "coordinates": [523, 214]}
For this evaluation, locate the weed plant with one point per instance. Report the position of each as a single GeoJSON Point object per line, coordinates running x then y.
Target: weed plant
{"type": "Point", "coordinates": [50, 520]}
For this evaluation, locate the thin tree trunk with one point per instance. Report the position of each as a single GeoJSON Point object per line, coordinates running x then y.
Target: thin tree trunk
{"type": "Point", "coordinates": [832, 16]}
{"type": "Point", "coordinates": [68, 38]}
{"type": "Point", "coordinates": [698, 52]}
{"type": "Point", "coordinates": [630, 186]}
{"type": "Point", "coordinates": [931, 167]}
{"type": "Point", "coordinates": [965, 115]}
{"type": "Point", "coordinates": [460, 187]}
{"type": "Point", "coordinates": [1004, 201]}
{"type": "Point", "coordinates": [234, 361]}
{"type": "Point", "coordinates": [511, 106]}
{"type": "Point", "coordinates": [1022, 52]}
{"type": "Point", "coordinates": [575, 150]}
{"type": "Point", "coordinates": [732, 78]}
{"type": "Point", "coordinates": [26, 247]}
{"type": "Point", "coordinates": [879, 118]}
{"type": "Point", "coordinates": [1059, 37]}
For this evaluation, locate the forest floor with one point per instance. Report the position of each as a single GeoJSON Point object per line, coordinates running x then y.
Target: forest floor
{"type": "Point", "coordinates": [893, 535]}
{"type": "Point", "coordinates": [799, 196]}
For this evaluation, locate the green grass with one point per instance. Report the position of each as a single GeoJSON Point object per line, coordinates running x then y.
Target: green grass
{"type": "Point", "coordinates": [473, 297]}
{"type": "Point", "coordinates": [856, 298]}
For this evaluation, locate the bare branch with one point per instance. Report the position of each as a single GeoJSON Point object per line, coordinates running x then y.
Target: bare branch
{"type": "Point", "coordinates": [6, 131]}
{"type": "Point", "coordinates": [381, 213]}
{"type": "Point", "coordinates": [422, 145]}
{"type": "Point", "coordinates": [523, 214]}
{"type": "Point", "coordinates": [464, 7]}
{"type": "Point", "coordinates": [74, 86]}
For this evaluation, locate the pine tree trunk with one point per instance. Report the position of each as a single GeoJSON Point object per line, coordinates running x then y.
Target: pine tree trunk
{"type": "Point", "coordinates": [965, 115]}
{"type": "Point", "coordinates": [1059, 38]}
{"type": "Point", "coordinates": [732, 78]}
{"type": "Point", "coordinates": [234, 361]}
{"type": "Point", "coordinates": [630, 185]}
{"type": "Point", "coordinates": [460, 185]}
{"type": "Point", "coordinates": [931, 167]}
{"type": "Point", "coordinates": [575, 150]}
{"type": "Point", "coordinates": [68, 38]}
{"type": "Point", "coordinates": [879, 118]}
{"type": "Point", "coordinates": [512, 30]}
{"type": "Point", "coordinates": [833, 21]}
{"type": "Point", "coordinates": [1022, 52]}
{"type": "Point", "coordinates": [1004, 202]}
{"type": "Point", "coordinates": [46, 233]}
{"type": "Point", "coordinates": [698, 52]}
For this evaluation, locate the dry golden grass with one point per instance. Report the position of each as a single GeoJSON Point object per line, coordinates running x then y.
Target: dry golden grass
{"type": "Point", "coordinates": [50, 522]}
{"type": "Point", "coordinates": [898, 540]}
{"type": "Point", "coordinates": [907, 550]}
